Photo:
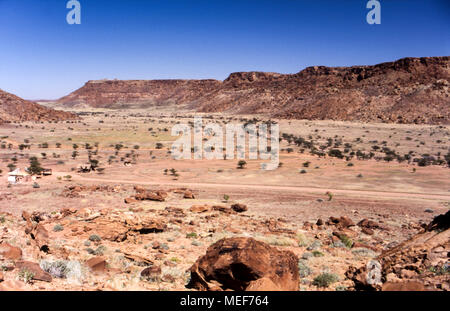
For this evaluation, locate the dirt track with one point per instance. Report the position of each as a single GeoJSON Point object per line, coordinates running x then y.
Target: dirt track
{"type": "Point", "coordinates": [314, 190]}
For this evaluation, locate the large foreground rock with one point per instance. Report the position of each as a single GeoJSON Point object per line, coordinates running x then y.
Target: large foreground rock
{"type": "Point", "coordinates": [245, 264]}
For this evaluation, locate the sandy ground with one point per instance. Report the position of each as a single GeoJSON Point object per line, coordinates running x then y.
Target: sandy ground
{"type": "Point", "coordinates": [398, 195]}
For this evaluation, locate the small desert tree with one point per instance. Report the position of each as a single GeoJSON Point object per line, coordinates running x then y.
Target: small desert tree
{"type": "Point", "coordinates": [173, 172]}
{"type": "Point", "coordinates": [242, 164]}
{"type": "Point", "coordinates": [35, 167]}
{"type": "Point", "coordinates": [94, 164]}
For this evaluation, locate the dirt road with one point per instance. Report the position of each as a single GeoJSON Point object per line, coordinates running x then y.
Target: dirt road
{"type": "Point", "coordinates": [310, 190]}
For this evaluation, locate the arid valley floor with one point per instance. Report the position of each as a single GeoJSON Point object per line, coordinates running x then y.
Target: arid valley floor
{"type": "Point", "coordinates": [99, 230]}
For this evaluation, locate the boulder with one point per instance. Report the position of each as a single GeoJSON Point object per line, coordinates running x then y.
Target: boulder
{"type": "Point", "coordinates": [97, 264]}
{"type": "Point", "coordinates": [151, 272]}
{"type": "Point", "coordinates": [152, 196]}
{"type": "Point", "coordinates": [441, 222]}
{"type": "Point", "coordinates": [200, 208]}
{"type": "Point", "coordinates": [113, 231]}
{"type": "Point", "coordinates": [341, 222]}
{"type": "Point", "coordinates": [40, 235]}
{"type": "Point", "coordinates": [245, 264]}
{"type": "Point", "coordinates": [35, 269]}
{"type": "Point", "coordinates": [367, 231]}
{"type": "Point", "coordinates": [25, 215]}
{"type": "Point", "coordinates": [239, 208]}
{"type": "Point", "coordinates": [130, 200]}
{"type": "Point", "coordinates": [189, 195]}
{"type": "Point", "coordinates": [369, 224]}
{"type": "Point", "coordinates": [8, 251]}
{"type": "Point", "coordinates": [176, 211]}
{"type": "Point", "coordinates": [146, 225]}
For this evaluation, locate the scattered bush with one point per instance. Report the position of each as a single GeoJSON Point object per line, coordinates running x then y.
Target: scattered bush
{"type": "Point", "coordinates": [303, 269]}
{"type": "Point", "coordinates": [95, 238]}
{"type": "Point", "coordinates": [241, 164]}
{"type": "Point", "coordinates": [325, 280]}
{"type": "Point", "coordinates": [191, 235]}
{"type": "Point", "coordinates": [317, 254]}
{"type": "Point", "coordinates": [26, 275]}
{"type": "Point", "coordinates": [302, 240]}
{"type": "Point", "coordinates": [62, 269]}
{"type": "Point", "coordinates": [346, 240]}
{"type": "Point", "coordinates": [58, 228]}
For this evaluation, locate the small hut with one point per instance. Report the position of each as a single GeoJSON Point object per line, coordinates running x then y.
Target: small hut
{"type": "Point", "coordinates": [17, 176]}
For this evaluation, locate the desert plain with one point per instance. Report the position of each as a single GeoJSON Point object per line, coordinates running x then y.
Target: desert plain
{"type": "Point", "coordinates": [139, 220]}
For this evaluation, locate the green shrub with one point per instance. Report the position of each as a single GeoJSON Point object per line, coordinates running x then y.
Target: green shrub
{"type": "Point", "coordinates": [314, 245]}
{"type": "Point", "coordinates": [191, 235]}
{"type": "Point", "coordinates": [317, 254]}
{"type": "Point", "coordinates": [346, 240]}
{"type": "Point", "coordinates": [26, 275]}
{"type": "Point", "coordinates": [325, 279]}
{"type": "Point", "coordinates": [303, 241]}
{"type": "Point", "coordinates": [57, 269]}
{"type": "Point", "coordinates": [303, 269]}
{"type": "Point", "coordinates": [242, 164]}
{"type": "Point", "coordinates": [58, 228]}
{"type": "Point", "coordinates": [95, 238]}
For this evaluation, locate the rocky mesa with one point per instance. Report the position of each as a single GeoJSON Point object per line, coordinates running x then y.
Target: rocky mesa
{"type": "Point", "coordinates": [409, 90]}
{"type": "Point", "coordinates": [14, 108]}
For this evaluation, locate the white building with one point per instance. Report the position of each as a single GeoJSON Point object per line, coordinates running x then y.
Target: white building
{"type": "Point", "coordinates": [17, 176]}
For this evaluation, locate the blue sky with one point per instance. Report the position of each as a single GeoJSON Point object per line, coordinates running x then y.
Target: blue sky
{"type": "Point", "coordinates": [42, 57]}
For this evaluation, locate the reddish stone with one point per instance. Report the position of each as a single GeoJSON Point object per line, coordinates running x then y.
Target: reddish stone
{"type": "Point", "coordinates": [97, 264]}
{"type": "Point", "coordinates": [239, 208]}
{"type": "Point", "coordinates": [234, 263]}
{"type": "Point", "coordinates": [8, 251]}
{"type": "Point", "coordinates": [35, 269]}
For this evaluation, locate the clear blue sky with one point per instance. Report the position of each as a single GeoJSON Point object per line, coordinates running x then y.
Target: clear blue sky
{"type": "Point", "coordinates": [42, 57]}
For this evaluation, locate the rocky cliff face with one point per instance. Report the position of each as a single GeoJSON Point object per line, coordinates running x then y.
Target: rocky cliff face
{"type": "Point", "coordinates": [119, 93]}
{"type": "Point", "coordinates": [13, 108]}
{"type": "Point", "coordinates": [410, 90]}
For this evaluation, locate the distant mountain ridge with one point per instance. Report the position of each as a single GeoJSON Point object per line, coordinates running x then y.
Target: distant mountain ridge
{"type": "Point", "coordinates": [409, 90]}
{"type": "Point", "coordinates": [14, 108]}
